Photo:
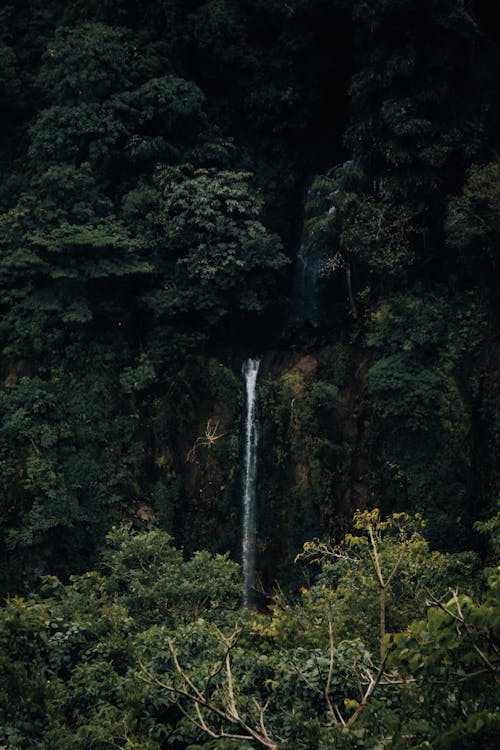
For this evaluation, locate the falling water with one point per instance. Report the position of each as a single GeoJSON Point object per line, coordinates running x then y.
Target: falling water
{"type": "Point", "coordinates": [314, 260]}
{"type": "Point", "coordinates": [307, 287]}
{"type": "Point", "coordinates": [305, 298]}
{"type": "Point", "coordinates": [250, 369]}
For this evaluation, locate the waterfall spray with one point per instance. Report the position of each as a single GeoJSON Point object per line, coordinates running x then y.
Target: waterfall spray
{"type": "Point", "coordinates": [249, 370]}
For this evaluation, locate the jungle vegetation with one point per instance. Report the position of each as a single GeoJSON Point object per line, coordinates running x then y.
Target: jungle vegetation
{"type": "Point", "coordinates": [161, 164]}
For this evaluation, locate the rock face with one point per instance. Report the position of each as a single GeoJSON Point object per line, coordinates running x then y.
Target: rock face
{"type": "Point", "coordinates": [320, 454]}
{"type": "Point", "coordinates": [315, 449]}
{"type": "Point", "coordinates": [314, 462]}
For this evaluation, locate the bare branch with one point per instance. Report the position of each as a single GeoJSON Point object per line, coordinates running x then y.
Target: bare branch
{"type": "Point", "coordinates": [396, 564]}
{"type": "Point", "coordinates": [200, 699]}
{"type": "Point", "coordinates": [374, 682]}
{"type": "Point", "coordinates": [375, 558]}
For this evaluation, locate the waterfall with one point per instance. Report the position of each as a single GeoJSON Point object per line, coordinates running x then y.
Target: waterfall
{"type": "Point", "coordinates": [320, 238]}
{"type": "Point", "coordinates": [305, 291]}
{"type": "Point", "coordinates": [249, 370]}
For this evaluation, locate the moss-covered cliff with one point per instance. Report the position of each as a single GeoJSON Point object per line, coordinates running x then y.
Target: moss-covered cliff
{"type": "Point", "coordinates": [166, 168]}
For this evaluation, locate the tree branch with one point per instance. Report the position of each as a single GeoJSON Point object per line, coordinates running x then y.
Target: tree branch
{"type": "Point", "coordinates": [200, 699]}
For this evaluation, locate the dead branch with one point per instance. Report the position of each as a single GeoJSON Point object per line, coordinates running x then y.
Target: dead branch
{"type": "Point", "coordinates": [315, 551]}
{"type": "Point", "coordinates": [372, 686]}
{"type": "Point", "coordinates": [207, 440]}
{"type": "Point", "coordinates": [204, 703]}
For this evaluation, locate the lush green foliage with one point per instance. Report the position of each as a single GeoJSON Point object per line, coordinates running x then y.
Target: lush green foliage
{"type": "Point", "coordinates": [422, 341]}
{"type": "Point", "coordinates": [154, 158]}
{"type": "Point", "coordinates": [124, 654]}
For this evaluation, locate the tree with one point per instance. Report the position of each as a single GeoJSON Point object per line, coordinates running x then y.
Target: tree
{"type": "Point", "coordinates": [153, 649]}
{"type": "Point", "coordinates": [418, 349]}
{"type": "Point", "coordinates": [69, 670]}
{"type": "Point", "coordinates": [473, 220]}
{"type": "Point", "coordinates": [62, 252]}
{"type": "Point", "coordinates": [309, 676]}
{"type": "Point", "coordinates": [215, 255]}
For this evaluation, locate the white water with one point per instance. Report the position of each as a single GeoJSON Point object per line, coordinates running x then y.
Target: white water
{"type": "Point", "coordinates": [249, 370]}
{"type": "Point", "coordinates": [314, 260]}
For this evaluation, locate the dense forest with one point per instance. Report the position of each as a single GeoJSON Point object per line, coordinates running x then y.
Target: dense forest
{"type": "Point", "coordinates": [187, 184]}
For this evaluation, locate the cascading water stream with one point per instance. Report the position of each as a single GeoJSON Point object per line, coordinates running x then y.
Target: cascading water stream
{"type": "Point", "coordinates": [314, 261]}
{"type": "Point", "coordinates": [250, 370]}
{"type": "Point", "coordinates": [304, 299]}
{"type": "Point", "coordinates": [306, 291]}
